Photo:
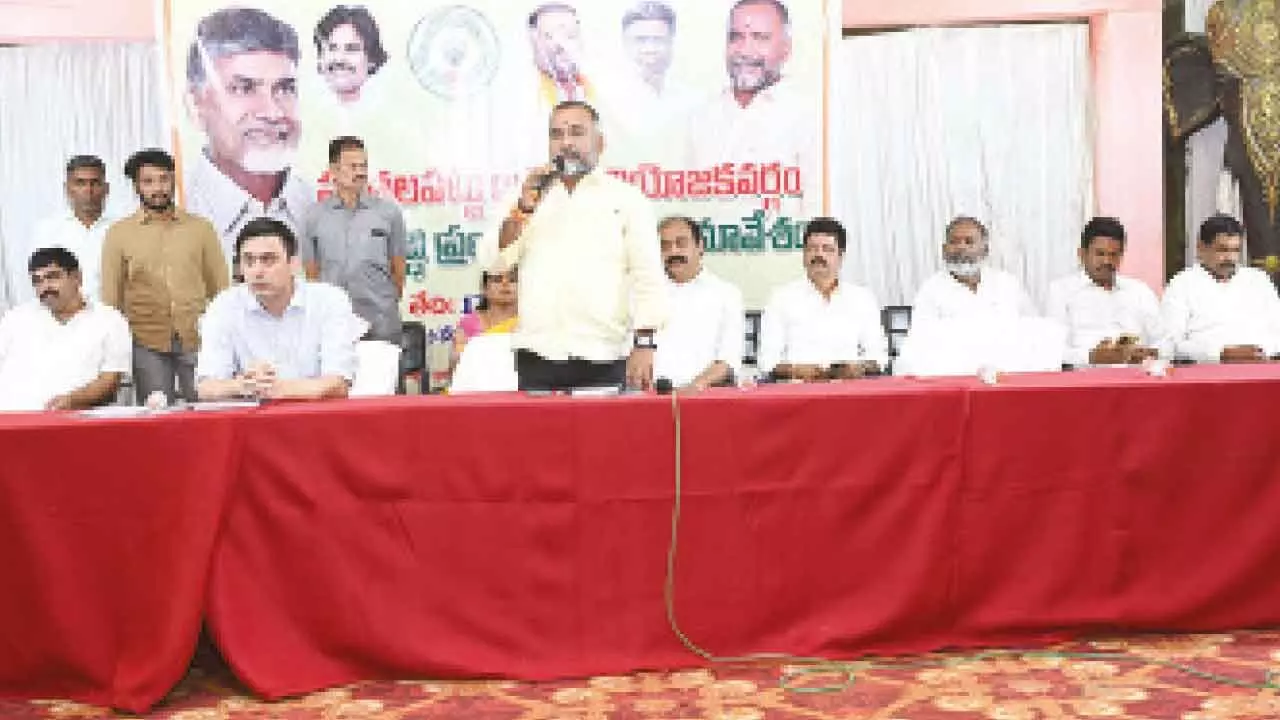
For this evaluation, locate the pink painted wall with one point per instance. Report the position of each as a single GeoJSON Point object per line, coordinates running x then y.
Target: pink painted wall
{"type": "Point", "coordinates": [1126, 41]}
{"type": "Point", "coordinates": [29, 21]}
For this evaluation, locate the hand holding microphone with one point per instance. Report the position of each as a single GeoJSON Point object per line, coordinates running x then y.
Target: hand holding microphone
{"type": "Point", "coordinates": [536, 184]}
{"type": "Point", "coordinates": [531, 192]}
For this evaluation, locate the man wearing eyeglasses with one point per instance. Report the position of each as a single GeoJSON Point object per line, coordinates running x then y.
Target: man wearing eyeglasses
{"type": "Point", "coordinates": [61, 350]}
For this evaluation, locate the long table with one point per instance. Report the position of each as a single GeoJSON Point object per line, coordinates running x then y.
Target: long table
{"type": "Point", "coordinates": [527, 537]}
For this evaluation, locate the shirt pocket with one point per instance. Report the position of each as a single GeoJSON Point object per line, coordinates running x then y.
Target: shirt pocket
{"type": "Point", "coordinates": [608, 241]}
{"type": "Point", "coordinates": [371, 247]}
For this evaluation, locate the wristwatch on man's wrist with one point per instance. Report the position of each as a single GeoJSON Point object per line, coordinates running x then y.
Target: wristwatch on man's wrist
{"type": "Point", "coordinates": [646, 340]}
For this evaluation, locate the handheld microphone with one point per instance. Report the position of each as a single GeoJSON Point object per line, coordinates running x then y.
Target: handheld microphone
{"type": "Point", "coordinates": [544, 182]}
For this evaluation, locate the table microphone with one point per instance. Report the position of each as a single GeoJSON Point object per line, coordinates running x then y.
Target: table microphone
{"type": "Point", "coordinates": [663, 386]}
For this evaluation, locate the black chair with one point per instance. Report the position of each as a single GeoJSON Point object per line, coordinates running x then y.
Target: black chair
{"type": "Point", "coordinates": [896, 320]}
{"type": "Point", "coordinates": [751, 349]}
{"type": "Point", "coordinates": [413, 354]}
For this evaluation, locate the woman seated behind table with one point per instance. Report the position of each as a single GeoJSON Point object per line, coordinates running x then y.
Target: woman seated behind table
{"type": "Point", "coordinates": [495, 314]}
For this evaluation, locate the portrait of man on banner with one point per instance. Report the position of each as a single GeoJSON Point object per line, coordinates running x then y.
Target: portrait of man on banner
{"type": "Point", "coordinates": [761, 115]}
{"type": "Point", "coordinates": [242, 94]}
{"type": "Point", "coordinates": [555, 36]}
{"type": "Point", "coordinates": [349, 51]}
{"type": "Point", "coordinates": [650, 104]}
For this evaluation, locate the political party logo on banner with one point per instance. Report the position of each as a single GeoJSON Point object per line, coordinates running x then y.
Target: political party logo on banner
{"type": "Point", "coordinates": [715, 109]}
{"type": "Point", "coordinates": [454, 51]}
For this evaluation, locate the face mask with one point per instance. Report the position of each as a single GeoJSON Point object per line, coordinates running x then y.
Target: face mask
{"type": "Point", "coordinates": [964, 268]}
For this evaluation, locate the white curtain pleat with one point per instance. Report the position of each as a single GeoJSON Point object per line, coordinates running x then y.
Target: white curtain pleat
{"type": "Point", "coordinates": [993, 122]}
{"type": "Point", "coordinates": [60, 100]}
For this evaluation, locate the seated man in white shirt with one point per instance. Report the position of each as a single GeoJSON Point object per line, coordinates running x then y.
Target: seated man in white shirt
{"type": "Point", "coordinates": [61, 351]}
{"type": "Point", "coordinates": [276, 335]}
{"type": "Point", "coordinates": [968, 287]}
{"type": "Point", "coordinates": [818, 327]}
{"type": "Point", "coordinates": [971, 316]}
{"type": "Point", "coordinates": [1110, 319]}
{"type": "Point", "coordinates": [701, 344]}
{"type": "Point", "coordinates": [1218, 311]}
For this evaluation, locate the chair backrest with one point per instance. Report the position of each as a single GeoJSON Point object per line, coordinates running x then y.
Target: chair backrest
{"type": "Point", "coordinates": [377, 369]}
{"type": "Point", "coordinates": [752, 340]}
{"type": "Point", "coordinates": [896, 320]}
{"type": "Point", "coordinates": [414, 343]}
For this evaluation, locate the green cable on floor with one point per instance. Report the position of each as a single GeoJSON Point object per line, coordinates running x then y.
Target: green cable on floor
{"type": "Point", "coordinates": [849, 670]}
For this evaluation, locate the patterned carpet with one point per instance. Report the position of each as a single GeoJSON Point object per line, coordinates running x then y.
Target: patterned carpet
{"type": "Point", "coordinates": [1051, 685]}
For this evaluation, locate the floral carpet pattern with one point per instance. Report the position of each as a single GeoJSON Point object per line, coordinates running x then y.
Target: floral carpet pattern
{"type": "Point", "coordinates": [1181, 677]}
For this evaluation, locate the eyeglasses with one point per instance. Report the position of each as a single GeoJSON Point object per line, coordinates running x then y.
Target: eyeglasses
{"type": "Point", "coordinates": [500, 277]}
{"type": "Point", "coordinates": [49, 276]}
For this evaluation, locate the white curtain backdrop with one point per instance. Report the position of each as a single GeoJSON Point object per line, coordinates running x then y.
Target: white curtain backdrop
{"type": "Point", "coordinates": [60, 100]}
{"type": "Point", "coordinates": [993, 122]}
{"type": "Point", "coordinates": [1210, 188]}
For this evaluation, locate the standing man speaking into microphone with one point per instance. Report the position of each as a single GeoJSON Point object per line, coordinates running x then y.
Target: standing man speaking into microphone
{"type": "Point", "coordinates": [591, 292]}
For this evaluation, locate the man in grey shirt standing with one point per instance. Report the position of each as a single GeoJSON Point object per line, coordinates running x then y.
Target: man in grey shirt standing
{"type": "Point", "coordinates": [357, 242]}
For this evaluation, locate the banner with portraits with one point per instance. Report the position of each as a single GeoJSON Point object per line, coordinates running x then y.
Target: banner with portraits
{"type": "Point", "coordinates": [716, 109]}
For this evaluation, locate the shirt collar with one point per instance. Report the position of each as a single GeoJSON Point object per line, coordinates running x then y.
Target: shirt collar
{"type": "Point", "coordinates": [229, 203]}
{"type": "Point", "coordinates": [335, 202]}
{"type": "Point", "coordinates": [69, 215]}
{"type": "Point", "coordinates": [813, 289]}
{"type": "Point", "coordinates": [297, 302]}
{"type": "Point", "coordinates": [1214, 279]}
{"type": "Point", "coordinates": [1088, 282]}
{"type": "Point", "coordinates": [47, 314]}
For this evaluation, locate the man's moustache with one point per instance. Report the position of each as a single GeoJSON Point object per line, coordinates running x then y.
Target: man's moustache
{"type": "Point", "coordinates": [677, 259]}
{"type": "Point", "coordinates": [818, 261]}
{"type": "Point", "coordinates": [48, 294]}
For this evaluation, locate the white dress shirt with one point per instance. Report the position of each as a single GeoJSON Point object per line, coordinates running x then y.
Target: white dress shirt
{"type": "Point", "coordinates": [801, 327]}
{"type": "Point", "coordinates": [586, 259]}
{"type": "Point", "coordinates": [999, 296]}
{"type": "Point", "coordinates": [316, 336]}
{"type": "Point", "coordinates": [706, 325]}
{"type": "Point", "coordinates": [1091, 313]}
{"type": "Point", "coordinates": [41, 358]}
{"type": "Point", "coordinates": [228, 206]}
{"type": "Point", "coordinates": [65, 231]}
{"type": "Point", "coordinates": [647, 125]}
{"type": "Point", "coordinates": [1202, 315]}
{"type": "Point", "coordinates": [778, 125]}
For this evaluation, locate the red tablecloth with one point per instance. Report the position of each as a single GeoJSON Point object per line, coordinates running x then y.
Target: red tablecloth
{"type": "Point", "coordinates": [106, 532]}
{"type": "Point", "coordinates": [527, 537]}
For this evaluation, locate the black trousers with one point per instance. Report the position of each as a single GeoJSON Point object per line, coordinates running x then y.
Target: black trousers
{"type": "Point", "coordinates": [538, 374]}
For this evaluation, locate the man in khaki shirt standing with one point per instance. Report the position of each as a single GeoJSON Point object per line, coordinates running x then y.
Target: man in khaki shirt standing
{"type": "Point", "coordinates": [160, 267]}
{"type": "Point", "coordinates": [586, 244]}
